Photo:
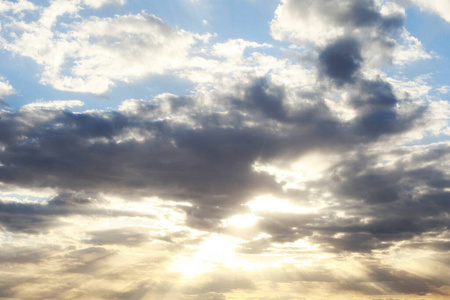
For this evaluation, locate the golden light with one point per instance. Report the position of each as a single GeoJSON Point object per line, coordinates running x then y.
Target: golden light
{"type": "Point", "coordinates": [268, 203]}
{"type": "Point", "coordinates": [217, 250]}
{"type": "Point", "coordinates": [242, 221]}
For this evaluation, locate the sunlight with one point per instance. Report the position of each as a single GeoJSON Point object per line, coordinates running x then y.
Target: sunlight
{"type": "Point", "coordinates": [214, 251]}
{"type": "Point", "coordinates": [242, 221]}
{"type": "Point", "coordinates": [308, 167]}
{"type": "Point", "coordinates": [268, 203]}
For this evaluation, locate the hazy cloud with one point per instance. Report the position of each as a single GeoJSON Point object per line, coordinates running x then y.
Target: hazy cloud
{"type": "Point", "coordinates": [270, 177]}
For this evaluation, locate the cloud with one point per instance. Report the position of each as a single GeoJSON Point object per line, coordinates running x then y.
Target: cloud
{"type": "Point", "coordinates": [132, 236]}
{"type": "Point", "coordinates": [96, 53]}
{"type": "Point", "coordinates": [190, 159]}
{"type": "Point", "coordinates": [34, 218]}
{"type": "Point", "coordinates": [55, 104]}
{"type": "Point", "coordinates": [441, 8]}
{"type": "Point", "coordinates": [321, 23]}
{"type": "Point", "coordinates": [341, 60]}
{"type": "Point", "coordinates": [326, 160]}
{"type": "Point", "coordinates": [5, 90]}
{"type": "Point", "coordinates": [26, 255]}
{"type": "Point", "coordinates": [444, 89]}
{"type": "Point", "coordinates": [16, 7]}
{"type": "Point", "coordinates": [98, 4]}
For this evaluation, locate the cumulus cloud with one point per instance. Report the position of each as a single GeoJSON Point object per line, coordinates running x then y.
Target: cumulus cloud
{"type": "Point", "coordinates": [271, 177]}
{"type": "Point", "coordinates": [5, 89]}
{"type": "Point", "coordinates": [16, 7]}
{"type": "Point", "coordinates": [95, 53]}
{"type": "Point", "coordinates": [441, 8]}
{"type": "Point", "coordinates": [319, 23]}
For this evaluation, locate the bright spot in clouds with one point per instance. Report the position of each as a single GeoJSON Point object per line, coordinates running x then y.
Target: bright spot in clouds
{"type": "Point", "coordinates": [242, 221]}
{"type": "Point", "coordinates": [267, 203]}
{"type": "Point", "coordinates": [213, 252]}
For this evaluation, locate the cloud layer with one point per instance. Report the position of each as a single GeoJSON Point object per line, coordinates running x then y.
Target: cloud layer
{"type": "Point", "coordinates": [275, 175]}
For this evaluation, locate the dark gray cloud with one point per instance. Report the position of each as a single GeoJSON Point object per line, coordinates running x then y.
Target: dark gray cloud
{"type": "Point", "coordinates": [382, 205]}
{"type": "Point", "coordinates": [34, 218]}
{"type": "Point", "coordinates": [205, 156]}
{"type": "Point", "coordinates": [12, 254]}
{"type": "Point", "coordinates": [312, 22]}
{"type": "Point", "coordinates": [263, 98]}
{"type": "Point", "coordinates": [199, 155]}
{"type": "Point", "coordinates": [341, 60]}
{"type": "Point", "coordinates": [373, 95]}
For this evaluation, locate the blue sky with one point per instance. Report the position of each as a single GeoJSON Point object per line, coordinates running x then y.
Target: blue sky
{"type": "Point", "coordinates": [248, 20]}
{"type": "Point", "coordinates": [226, 149]}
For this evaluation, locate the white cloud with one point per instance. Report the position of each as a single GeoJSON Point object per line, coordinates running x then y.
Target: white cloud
{"type": "Point", "coordinates": [410, 50]}
{"type": "Point", "coordinates": [95, 53]}
{"type": "Point", "coordinates": [129, 46]}
{"type": "Point", "coordinates": [55, 104]}
{"type": "Point", "coordinates": [317, 22]}
{"type": "Point", "coordinates": [414, 89]}
{"type": "Point", "coordinates": [378, 26]}
{"type": "Point", "coordinates": [16, 6]}
{"type": "Point", "coordinates": [234, 49]}
{"type": "Point", "coordinates": [100, 3]}
{"type": "Point", "coordinates": [91, 55]}
{"type": "Point", "coordinates": [444, 89]}
{"type": "Point", "coordinates": [5, 88]}
{"type": "Point", "coordinates": [440, 7]}
{"type": "Point", "coordinates": [304, 21]}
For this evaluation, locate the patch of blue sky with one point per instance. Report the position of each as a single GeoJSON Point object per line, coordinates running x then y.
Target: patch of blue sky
{"type": "Point", "coordinates": [22, 74]}
{"type": "Point", "coordinates": [24, 198]}
{"type": "Point", "coordinates": [429, 139]}
{"type": "Point", "coordinates": [229, 19]}
{"type": "Point", "coordinates": [25, 15]}
{"type": "Point", "coordinates": [248, 20]}
{"type": "Point", "coordinates": [434, 34]}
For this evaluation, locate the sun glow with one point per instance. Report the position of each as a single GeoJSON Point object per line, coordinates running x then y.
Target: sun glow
{"type": "Point", "coordinates": [268, 203]}
{"type": "Point", "coordinates": [242, 221]}
{"type": "Point", "coordinates": [215, 251]}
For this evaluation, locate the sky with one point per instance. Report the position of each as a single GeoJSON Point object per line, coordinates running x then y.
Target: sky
{"type": "Point", "coordinates": [225, 149]}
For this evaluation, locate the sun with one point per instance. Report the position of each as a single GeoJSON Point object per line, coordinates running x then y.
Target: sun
{"type": "Point", "coordinates": [242, 221]}
{"type": "Point", "coordinates": [216, 250]}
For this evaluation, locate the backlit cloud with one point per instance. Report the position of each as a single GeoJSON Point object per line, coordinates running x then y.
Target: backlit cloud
{"type": "Point", "coordinates": [307, 166]}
